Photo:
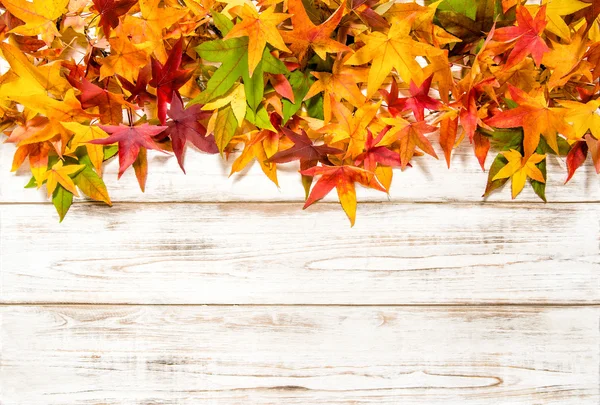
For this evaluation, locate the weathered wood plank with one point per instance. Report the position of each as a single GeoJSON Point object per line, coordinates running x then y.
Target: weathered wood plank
{"type": "Point", "coordinates": [299, 355]}
{"type": "Point", "coordinates": [206, 180]}
{"type": "Point", "coordinates": [278, 254]}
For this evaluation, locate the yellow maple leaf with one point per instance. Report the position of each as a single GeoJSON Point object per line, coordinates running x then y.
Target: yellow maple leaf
{"type": "Point", "coordinates": [260, 30]}
{"type": "Point", "coordinates": [519, 169]}
{"type": "Point", "coordinates": [59, 174]}
{"type": "Point", "coordinates": [236, 98]}
{"type": "Point", "coordinates": [30, 79]}
{"type": "Point", "coordinates": [583, 117]}
{"type": "Point", "coordinates": [396, 50]}
{"type": "Point", "coordinates": [82, 135]}
{"type": "Point", "coordinates": [39, 17]}
{"type": "Point", "coordinates": [341, 83]}
{"type": "Point", "coordinates": [351, 126]}
{"type": "Point", "coordinates": [126, 59]}
{"type": "Point", "coordinates": [555, 11]}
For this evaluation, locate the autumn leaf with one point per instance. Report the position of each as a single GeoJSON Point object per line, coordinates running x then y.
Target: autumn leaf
{"type": "Point", "coordinates": [396, 50]}
{"type": "Point", "coordinates": [126, 59]}
{"type": "Point", "coordinates": [418, 101]}
{"type": "Point", "coordinates": [305, 35]}
{"type": "Point", "coordinates": [60, 174]}
{"type": "Point", "coordinates": [555, 11]}
{"type": "Point", "coordinates": [185, 126]}
{"type": "Point", "coordinates": [82, 135]}
{"type": "Point", "coordinates": [575, 158]}
{"type": "Point", "coordinates": [351, 127]}
{"type": "Point", "coordinates": [130, 140]}
{"type": "Point", "coordinates": [526, 36]}
{"type": "Point", "coordinates": [583, 117]}
{"type": "Point", "coordinates": [110, 11]}
{"type": "Point", "coordinates": [341, 84]}
{"type": "Point", "coordinates": [519, 169]}
{"type": "Point", "coordinates": [260, 30]}
{"type": "Point", "coordinates": [168, 78]}
{"type": "Point", "coordinates": [110, 105]}
{"type": "Point", "coordinates": [409, 136]}
{"type": "Point", "coordinates": [342, 178]}
{"type": "Point", "coordinates": [39, 17]}
{"type": "Point", "coordinates": [535, 117]}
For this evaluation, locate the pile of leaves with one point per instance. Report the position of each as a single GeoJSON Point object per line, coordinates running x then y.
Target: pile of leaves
{"type": "Point", "coordinates": [345, 90]}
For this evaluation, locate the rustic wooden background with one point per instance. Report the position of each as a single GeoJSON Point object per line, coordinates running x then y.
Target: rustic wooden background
{"type": "Point", "coordinates": [209, 290]}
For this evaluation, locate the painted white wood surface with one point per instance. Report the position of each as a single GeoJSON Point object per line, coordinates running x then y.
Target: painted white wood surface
{"type": "Point", "coordinates": [126, 355]}
{"type": "Point", "coordinates": [527, 266]}
{"type": "Point", "coordinates": [207, 180]}
{"type": "Point", "coordinates": [275, 253]}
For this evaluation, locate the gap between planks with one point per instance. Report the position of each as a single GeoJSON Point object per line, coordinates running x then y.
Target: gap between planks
{"type": "Point", "coordinates": [368, 305]}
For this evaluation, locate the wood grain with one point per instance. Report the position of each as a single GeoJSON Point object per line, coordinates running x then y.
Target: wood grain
{"type": "Point", "coordinates": [278, 254]}
{"type": "Point", "coordinates": [206, 180]}
{"type": "Point", "coordinates": [310, 355]}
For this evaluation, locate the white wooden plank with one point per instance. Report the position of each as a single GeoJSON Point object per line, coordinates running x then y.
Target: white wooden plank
{"type": "Point", "coordinates": [299, 355]}
{"type": "Point", "coordinates": [278, 254]}
{"type": "Point", "coordinates": [207, 180]}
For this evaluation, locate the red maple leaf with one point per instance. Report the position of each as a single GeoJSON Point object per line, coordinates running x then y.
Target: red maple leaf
{"type": "Point", "coordinates": [185, 126]}
{"type": "Point", "coordinates": [130, 140]}
{"type": "Point", "coordinates": [304, 150]}
{"type": "Point", "coordinates": [139, 91]}
{"type": "Point", "coordinates": [168, 78]}
{"type": "Point", "coordinates": [418, 101]}
{"type": "Point", "coordinates": [342, 178]}
{"type": "Point", "coordinates": [377, 154]}
{"type": "Point", "coordinates": [527, 37]}
{"type": "Point", "coordinates": [110, 11]}
{"type": "Point", "coordinates": [110, 104]}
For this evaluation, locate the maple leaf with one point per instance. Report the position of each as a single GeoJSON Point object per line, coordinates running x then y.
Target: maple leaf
{"type": "Point", "coordinates": [575, 158]}
{"type": "Point", "coordinates": [236, 98]}
{"type": "Point", "coordinates": [341, 83]}
{"type": "Point", "coordinates": [260, 145]}
{"type": "Point", "coordinates": [233, 56]}
{"type": "Point", "coordinates": [168, 78]}
{"type": "Point", "coordinates": [423, 25]}
{"type": "Point", "coordinates": [126, 59]}
{"type": "Point", "coordinates": [59, 174]}
{"type": "Point", "coordinates": [519, 169]}
{"type": "Point", "coordinates": [418, 101]}
{"type": "Point", "coordinates": [31, 79]}
{"type": "Point", "coordinates": [396, 50]}
{"type": "Point", "coordinates": [138, 91]}
{"type": "Point", "coordinates": [130, 140]}
{"type": "Point", "coordinates": [304, 150]}
{"type": "Point", "coordinates": [57, 112]}
{"type": "Point", "coordinates": [351, 126]}
{"type": "Point", "coordinates": [149, 26]}
{"type": "Point", "coordinates": [82, 135]}
{"type": "Point", "coordinates": [305, 35]}
{"type": "Point", "coordinates": [567, 60]}
{"type": "Point", "coordinates": [260, 30]}
{"type": "Point", "coordinates": [342, 178]}
{"type": "Point", "coordinates": [374, 154]}
{"type": "Point", "coordinates": [364, 10]}
{"type": "Point", "coordinates": [110, 11]}
{"type": "Point", "coordinates": [109, 104]}
{"type": "Point", "coordinates": [409, 135]}
{"type": "Point", "coordinates": [39, 17]}
{"type": "Point", "coordinates": [526, 36]}
{"type": "Point", "coordinates": [555, 11]}
{"type": "Point", "coordinates": [583, 117]}
{"type": "Point", "coordinates": [185, 126]}
{"type": "Point", "coordinates": [535, 117]}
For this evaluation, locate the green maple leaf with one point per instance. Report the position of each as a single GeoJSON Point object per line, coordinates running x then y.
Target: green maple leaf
{"type": "Point", "coordinates": [233, 56]}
